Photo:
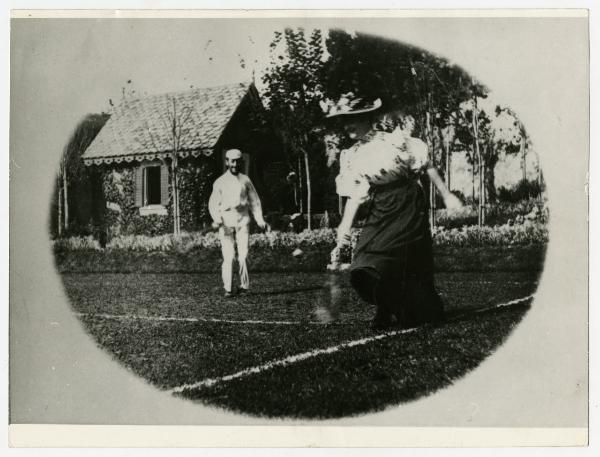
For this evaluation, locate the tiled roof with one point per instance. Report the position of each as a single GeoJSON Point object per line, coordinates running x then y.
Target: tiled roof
{"type": "Point", "coordinates": [140, 129]}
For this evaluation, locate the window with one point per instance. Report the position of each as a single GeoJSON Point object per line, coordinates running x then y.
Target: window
{"type": "Point", "coordinates": [152, 187]}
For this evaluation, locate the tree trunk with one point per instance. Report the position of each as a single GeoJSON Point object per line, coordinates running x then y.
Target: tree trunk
{"type": "Point", "coordinates": [430, 146]}
{"type": "Point", "coordinates": [482, 193]}
{"type": "Point", "coordinates": [59, 197]}
{"type": "Point", "coordinates": [473, 176]}
{"type": "Point", "coordinates": [477, 152]}
{"type": "Point", "coordinates": [448, 169]}
{"type": "Point", "coordinates": [175, 196]}
{"type": "Point", "coordinates": [524, 159]}
{"type": "Point", "coordinates": [295, 187]}
{"type": "Point", "coordinates": [66, 200]}
{"type": "Point", "coordinates": [540, 177]}
{"type": "Point", "coordinates": [490, 177]}
{"type": "Point", "coordinates": [308, 191]}
{"type": "Point", "coordinates": [177, 204]}
{"type": "Point", "coordinates": [300, 187]}
{"type": "Point", "coordinates": [448, 161]}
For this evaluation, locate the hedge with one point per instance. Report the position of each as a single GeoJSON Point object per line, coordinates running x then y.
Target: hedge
{"type": "Point", "coordinates": [524, 233]}
{"type": "Point", "coordinates": [447, 258]}
{"type": "Point", "coordinates": [507, 247]}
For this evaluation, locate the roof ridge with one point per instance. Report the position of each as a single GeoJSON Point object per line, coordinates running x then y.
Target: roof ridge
{"type": "Point", "coordinates": [241, 84]}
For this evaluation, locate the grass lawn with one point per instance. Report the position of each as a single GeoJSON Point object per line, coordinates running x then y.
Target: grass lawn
{"type": "Point", "coordinates": [177, 329]}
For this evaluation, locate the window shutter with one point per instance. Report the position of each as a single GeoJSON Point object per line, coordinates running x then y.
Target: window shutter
{"type": "Point", "coordinates": [139, 186]}
{"type": "Point", "coordinates": [164, 185]}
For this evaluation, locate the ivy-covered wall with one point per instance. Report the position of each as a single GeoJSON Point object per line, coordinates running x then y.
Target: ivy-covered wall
{"type": "Point", "coordinates": [122, 216]}
{"type": "Point", "coordinates": [195, 178]}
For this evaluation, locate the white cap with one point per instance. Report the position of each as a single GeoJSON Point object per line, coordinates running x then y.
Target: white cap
{"type": "Point", "coordinates": [233, 154]}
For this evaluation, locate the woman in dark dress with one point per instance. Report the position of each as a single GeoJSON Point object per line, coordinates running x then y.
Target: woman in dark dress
{"type": "Point", "coordinates": [392, 264]}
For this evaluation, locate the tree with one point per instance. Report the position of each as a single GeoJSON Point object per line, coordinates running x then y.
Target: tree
{"type": "Point", "coordinates": [371, 67]}
{"type": "Point", "coordinates": [178, 119]}
{"type": "Point", "coordinates": [71, 168]}
{"type": "Point", "coordinates": [407, 79]}
{"type": "Point", "coordinates": [474, 134]}
{"type": "Point", "coordinates": [491, 135]}
{"type": "Point", "coordinates": [293, 91]}
{"type": "Point", "coordinates": [177, 122]}
{"type": "Point", "coordinates": [515, 136]}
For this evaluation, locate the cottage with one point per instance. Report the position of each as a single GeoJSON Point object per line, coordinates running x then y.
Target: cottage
{"type": "Point", "coordinates": [150, 143]}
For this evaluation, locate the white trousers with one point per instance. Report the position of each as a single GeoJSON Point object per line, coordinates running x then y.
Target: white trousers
{"type": "Point", "coordinates": [229, 236]}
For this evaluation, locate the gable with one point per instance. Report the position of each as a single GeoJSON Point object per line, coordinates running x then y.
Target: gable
{"type": "Point", "coordinates": [141, 129]}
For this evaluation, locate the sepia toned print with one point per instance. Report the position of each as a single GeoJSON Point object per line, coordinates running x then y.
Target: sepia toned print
{"type": "Point", "coordinates": [150, 169]}
{"type": "Point", "coordinates": [389, 213]}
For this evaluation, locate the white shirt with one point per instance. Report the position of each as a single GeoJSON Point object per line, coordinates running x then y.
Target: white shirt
{"type": "Point", "coordinates": [232, 199]}
{"type": "Point", "coordinates": [380, 158]}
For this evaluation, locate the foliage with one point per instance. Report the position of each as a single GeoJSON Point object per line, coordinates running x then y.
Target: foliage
{"type": "Point", "coordinates": [527, 232]}
{"type": "Point", "coordinates": [82, 137]}
{"type": "Point", "coordinates": [76, 243]}
{"type": "Point", "coordinates": [412, 83]}
{"type": "Point", "coordinates": [498, 214]}
{"type": "Point", "coordinates": [524, 230]}
{"type": "Point", "coordinates": [293, 85]}
{"type": "Point", "coordinates": [297, 222]}
{"type": "Point", "coordinates": [278, 191]}
{"type": "Point", "coordinates": [122, 216]}
{"type": "Point", "coordinates": [77, 178]}
{"type": "Point", "coordinates": [293, 91]}
{"type": "Point", "coordinates": [403, 76]}
{"type": "Point", "coordinates": [524, 190]}
{"type": "Point", "coordinates": [440, 97]}
{"type": "Point", "coordinates": [498, 133]}
{"type": "Point", "coordinates": [195, 177]}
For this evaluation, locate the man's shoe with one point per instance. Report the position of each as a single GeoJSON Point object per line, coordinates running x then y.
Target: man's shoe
{"type": "Point", "coordinates": [242, 290]}
{"type": "Point", "coordinates": [228, 294]}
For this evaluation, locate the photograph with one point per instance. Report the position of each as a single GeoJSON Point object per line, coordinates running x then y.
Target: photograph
{"type": "Point", "coordinates": [293, 220]}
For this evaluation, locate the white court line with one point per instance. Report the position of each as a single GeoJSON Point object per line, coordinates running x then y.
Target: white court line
{"type": "Point", "coordinates": [189, 319]}
{"type": "Point", "coordinates": [316, 352]}
{"type": "Point", "coordinates": [291, 359]}
{"type": "Point", "coordinates": [499, 305]}
{"type": "Point", "coordinates": [245, 321]}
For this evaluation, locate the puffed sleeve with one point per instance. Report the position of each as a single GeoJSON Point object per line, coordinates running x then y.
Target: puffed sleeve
{"type": "Point", "coordinates": [418, 154]}
{"type": "Point", "coordinates": [351, 182]}
{"type": "Point", "coordinates": [359, 191]}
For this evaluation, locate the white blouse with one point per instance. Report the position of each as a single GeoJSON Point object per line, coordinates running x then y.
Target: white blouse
{"type": "Point", "coordinates": [380, 158]}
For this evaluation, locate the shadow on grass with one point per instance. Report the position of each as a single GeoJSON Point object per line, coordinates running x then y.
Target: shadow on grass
{"type": "Point", "coordinates": [295, 290]}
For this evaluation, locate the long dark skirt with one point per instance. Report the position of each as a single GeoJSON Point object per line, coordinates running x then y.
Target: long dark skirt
{"type": "Point", "coordinates": [393, 261]}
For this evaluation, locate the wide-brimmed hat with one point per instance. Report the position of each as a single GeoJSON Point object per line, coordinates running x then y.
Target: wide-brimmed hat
{"type": "Point", "coordinates": [348, 104]}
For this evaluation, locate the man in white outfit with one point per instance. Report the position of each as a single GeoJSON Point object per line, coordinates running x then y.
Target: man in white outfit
{"type": "Point", "coordinates": [232, 200]}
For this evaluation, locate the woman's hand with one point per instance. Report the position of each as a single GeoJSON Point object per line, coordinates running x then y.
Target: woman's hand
{"type": "Point", "coordinates": [451, 201]}
{"type": "Point", "coordinates": [343, 232]}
